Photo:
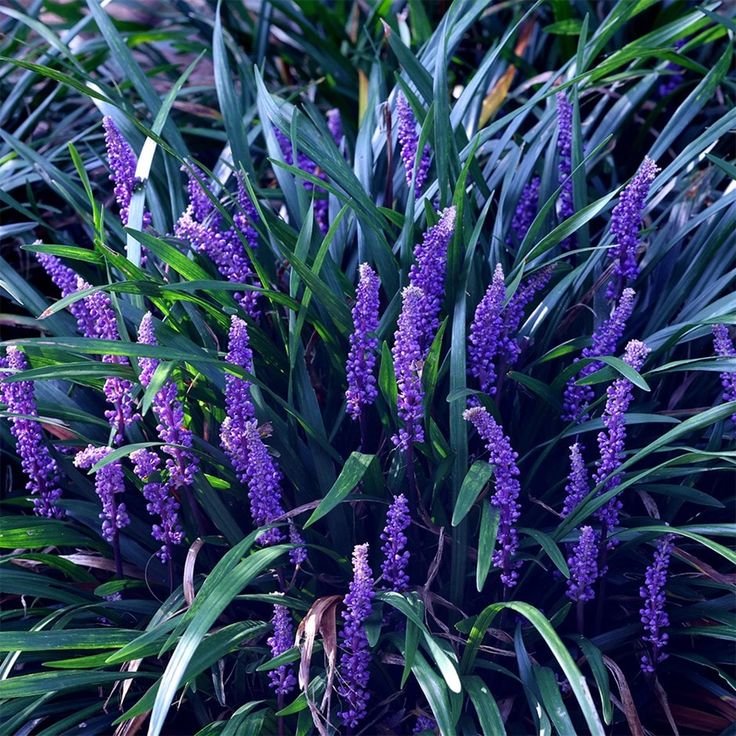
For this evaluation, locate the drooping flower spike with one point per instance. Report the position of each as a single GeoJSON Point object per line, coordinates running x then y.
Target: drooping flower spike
{"type": "Point", "coordinates": [604, 342]}
{"type": "Point", "coordinates": [408, 359]}
{"type": "Point", "coordinates": [428, 272]}
{"type": "Point", "coordinates": [354, 673]}
{"type": "Point", "coordinates": [361, 362]}
{"type": "Point", "coordinates": [506, 498]}
{"type": "Point", "coordinates": [625, 225]}
{"type": "Point", "coordinates": [39, 466]}
{"type": "Point", "coordinates": [653, 614]}
{"type": "Point", "coordinates": [409, 144]}
{"type": "Point", "coordinates": [611, 441]}
{"type": "Point", "coordinates": [724, 348]}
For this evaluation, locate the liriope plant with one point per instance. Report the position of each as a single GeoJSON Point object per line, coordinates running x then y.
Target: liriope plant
{"type": "Point", "coordinates": [383, 383]}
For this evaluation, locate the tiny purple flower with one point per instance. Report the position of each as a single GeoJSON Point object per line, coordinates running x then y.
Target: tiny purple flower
{"type": "Point", "coordinates": [355, 661]}
{"type": "Point", "coordinates": [109, 482]}
{"type": "Point", "coordinates": [282, 678]}
{"type": "Point", "coordinates": [578, 486]}
{"type": "Point", "coordinates": [363, 343]}
{"type": "Point", "coordinates": [654, 617]}
{"type": "Point", "coordinates": [605, 339]}
{"type": "Point", "coordinates": [611, 442]}
{"type": "Point", "coordinates": [428, 272]}
{"type": "Point", "coordinates": [506, 498]}
{"type": "Point", "coordinates": [395, 554]}
{"type": "Point", "coordinates": [625, 224]}
{"type": "Point", "coordinates": [724, 348]}
{"type": "Point", "coordinates": [408, 360]}
{"type": "Point", "coordinates": [526, 209]}
{"type": "Point", "coordinates": [36, 460]}
{"type": "Point", "coordinates": [409, 143]}
{"type": "Point", "coordinates": [583, 564]}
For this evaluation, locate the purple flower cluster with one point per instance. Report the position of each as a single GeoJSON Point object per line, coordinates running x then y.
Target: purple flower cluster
{"type": "Point", "coordinates": [239, 409]}
{"type": "Point", "coordinates": [182, 464]}
{"type": "Point", "coordinates": [395, 554]}
{"type": "Point", "coordinates": [526, 209]}
{"type": "Point", "coordinates": [282, 678]}
{"type": "Point", "coordinates": [408, 359]}
{"type": "Point", "coordinates": [566, 207]}
{"type": "Point", "coordinates": [409, 143]}
{"type": "Point", "coordinates": [36, 460]}
{"type": "Point", "coordinates": [161, 502]}
{"type": "Point", "coordinates": [109, 482]}
{"type": "Point", "coordinates": [583, 563]}
{"type": "Point", "coordinates": [123, 162]}
{"type": "Point", "coordinates": [334, 125]}
{"type": "Point", "coordinates": [506, 498]}
{"type": "Point", "coordinates": [363, 343]}
{"type": "Point", "coordinates": [354, 663]}
{"type": "Point", "coordinates": [67, 282]}
{"type": "Point", "coordinates": [724, 348]}
{"type": "Point", "coordinates": [654, 617]}
{"type": "Point", "coordinates": [202, 226]}
{"type": "Point", "coordinates": [425, 723]}
{"type": "Point", "coordinates": [428, 272]}
{"type": "Point", "coordinates": [605, 339]}
{"type": "Point", "coordinates": [303, 162]}
{"type": "Point", "coordinates": [625, 224]}
{"type": "Point", "coordinates": [486, 332]}
{"type": "Point", "coordinates": [577, 487]}
{"type": "Point", "coordinates": [611, 442]}
{"type": "Point", "coordinates": [514, 312]}
{"type": "Point", "coordinates": [675, 78]}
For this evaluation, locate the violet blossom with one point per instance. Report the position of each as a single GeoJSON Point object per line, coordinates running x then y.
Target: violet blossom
{"type": "Point", "coordinates": [36, 460]}
{"type": "Point", "coordinates": [566, 206]}
{"type": "Point", "coordinates": [395, 554]}
{"type": "Point", "coordinates": [109, 483]}
{"type": "Point", "coordinates": [282, 678]}
{"type": "Point", "coordinates": [583, 564]}
{"type": "Point", "coordinates": [409, 144]}
{"type": "Point", "coordinates": [604, 342]}
{"type": "Point", "coordinates": [354, 673]}
{"type": "Point", "coordinates": [578, 485]}
{"type": "Point", "coordinates": [724, 348]}
{"type": "Point", "coordinates": [428, 272]}
{"type": "Point", "coordinates": [526, 209]}
{"type": "Point", "coordinates": [654, 617]}
{"type": "Point", "coordinates": [611, 441]}
{"type": "Point", "coordinates": [408, 359]}
{"type": "Point", "coordinates": [625, 225]}
{"type": "Point", "coordinates": [363, 343]}
{"type": "Point", "coordinates": [506, 498]}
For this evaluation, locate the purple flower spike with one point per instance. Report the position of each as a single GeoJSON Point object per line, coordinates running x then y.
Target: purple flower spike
{"type": "Point", "coordinates": [408, 361]}
{"type": "Point", "coordinates": [395, 554]}
{"type": "Point", "coordinates": [577, 487]}
{"type": "Point", "coordinates": [583, 565]}
{"type": "Point", "coordinates": [424, 724]}
{"type": "Point", "coordinates": [118, 391]}
{"type": "Point", "coordinates": [724, 348]}
{"type": "Point", "coordinates": [428, 272]}
{"type": "Point", "coordinates": [514, 312]}
{"type": "Point", "coordinates": [654, 617]}
{"type": "Point", "coordinates": [611, 442]}
{"type": "Point", "coordinates": [109, 482]}
{"type": "Point", "coordinates": [201, 204]}
{"type": "Point", "coordinates": [239, 409]}
{"type": "Point", "coordinates": [161, 502]}
{"type": "Point", "coordinates": [36, 460]}
{"type": "Point", "coordinates": [282, 678]}
{"type": "Point", "coordinates": [675, 78]}
{"type": "Point", "coordinates": [264, 484]}
{"type": "Point", "coordinates": [355, 661]}
{"type": "Point", "coordinates": [566, 206]}
{"type": "Point", "coordinates": [182, 464]}
{"type": "Point", "coordinates": [66, 280]}
{"type": "Point", "coordinates": [526, 209]}
{"type": "Point", "coordinates": [409, 143]}
{"type": "Point", "coordinates": [298, 555]}
{"type": "Point", "coordinates": [506, 498]}
{"type": "Point", "coordinates": [122, 163]}
{"type": "Point", "coordinates": [625, 224]}
{"type": "Point", "coordinates": [605, 339]}
{"type": "Point", "coordinates": [486, 332]}
{"type": "Point", "coordinates": [363, 343]}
